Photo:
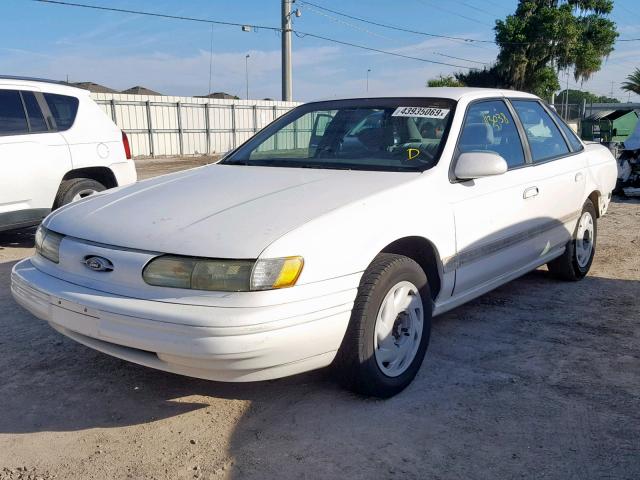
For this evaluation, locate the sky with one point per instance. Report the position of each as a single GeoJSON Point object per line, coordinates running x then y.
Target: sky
{"type": "Point", "coordinates": [121, 50]}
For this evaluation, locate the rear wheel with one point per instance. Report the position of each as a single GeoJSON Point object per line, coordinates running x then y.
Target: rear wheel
{"type": "Point", "coordinates": [76, 189]}
{"type": "Point", "coordinates": [575, 262]}
{"type": "Point", "coordinates": [389, 330]}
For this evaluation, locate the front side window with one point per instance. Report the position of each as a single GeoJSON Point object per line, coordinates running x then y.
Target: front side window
{"type": "Point", "coordinates": [36, 120]}
{"type": "Point", "coordinates": [489, 126]}
{"type": "Point", "coordinates": [545, 139]}
{"type": "Point", "coordinates": [384, 134]}
{"type": "Point", "coordinates": [12, 118]}
{"type": "Point", "coordinates": [63, 108]}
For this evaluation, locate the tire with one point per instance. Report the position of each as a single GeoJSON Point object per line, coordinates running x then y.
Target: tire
{"type": "Point", "coordinates": [70, 189]}
{"type": "Point", "coordinates": [359, 364]}
{"type": "Point", "coordinates": [574, 264]}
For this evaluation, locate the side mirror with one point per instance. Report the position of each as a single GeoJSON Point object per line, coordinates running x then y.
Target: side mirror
{"type": "Point", "coordinates": [472, 165]}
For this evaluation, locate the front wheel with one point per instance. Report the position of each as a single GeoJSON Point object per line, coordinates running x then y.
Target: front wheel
{"type": "Point", "coordinates": [575, 262]}
{"type": "Point", "coordinates": [389, 330]}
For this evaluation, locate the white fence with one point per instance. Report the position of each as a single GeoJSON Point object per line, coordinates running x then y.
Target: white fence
{"type": "Point", "coordinates": [163, 125]}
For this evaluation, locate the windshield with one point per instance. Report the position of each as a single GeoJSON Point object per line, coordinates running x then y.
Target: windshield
{"type": "Point", "coordinates": [368, 134]}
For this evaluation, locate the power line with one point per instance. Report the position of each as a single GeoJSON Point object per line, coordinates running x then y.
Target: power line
{"type": "Point", "coordinates": [451, 12]}
{"type": "Point", "coordinates": [153, 14]}
{"type": "Point", "coordinates": [395, 27]}
{"type": "Point", "coordinates": [473, 7]}
{"type": "Point", "coordinates": [264, 27]}
{"type": "Point", "coordinates": [343, 22]}
{"type": "Point", "coordinates": [429, 34]}
{"type": "Point", "coordinates": [363, 47]}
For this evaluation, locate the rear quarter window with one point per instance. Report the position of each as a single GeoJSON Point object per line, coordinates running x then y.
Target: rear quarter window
{"type": "Point", "coordinates": [63, 108]}
{"type": "Point", "coordinates": [576, 144]}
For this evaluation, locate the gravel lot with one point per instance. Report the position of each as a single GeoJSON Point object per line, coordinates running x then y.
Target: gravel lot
{"type": "Point", "coordinates": [538, 379]}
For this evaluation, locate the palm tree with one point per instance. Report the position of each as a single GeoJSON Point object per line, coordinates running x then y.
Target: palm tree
{"type": "Point", "coordinates": [633, 82]}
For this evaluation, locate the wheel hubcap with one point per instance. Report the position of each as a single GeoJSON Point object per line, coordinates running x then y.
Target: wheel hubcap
{"type": "Point", "coordinates": [398, 329]}
{"type": "Point", "coordinates": [83, 193]}
{"type": "Point", "coordinates": [584, 239]}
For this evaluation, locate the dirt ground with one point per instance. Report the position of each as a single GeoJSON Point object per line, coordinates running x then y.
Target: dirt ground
{"type": "Point", "coordinates": [538, 379]}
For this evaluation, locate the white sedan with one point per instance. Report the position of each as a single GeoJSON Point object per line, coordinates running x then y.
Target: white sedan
{"type": "Point", "coordinates": [330, 237]}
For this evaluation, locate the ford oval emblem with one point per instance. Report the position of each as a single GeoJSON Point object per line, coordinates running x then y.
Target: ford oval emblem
{"type": "Point", "coordinates": [98, 264]}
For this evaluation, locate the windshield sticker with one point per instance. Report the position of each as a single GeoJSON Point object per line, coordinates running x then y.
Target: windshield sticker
{"type": "Point", "coordinates": [412, 153]}
{"type": "Point", "coordinates": [496, 121]}
{"type": "Point", "coordinates": [422, 112]}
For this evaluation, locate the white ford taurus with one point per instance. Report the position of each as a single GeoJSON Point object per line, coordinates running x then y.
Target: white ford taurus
{"type": "Point", "coordinates": [331, 236]}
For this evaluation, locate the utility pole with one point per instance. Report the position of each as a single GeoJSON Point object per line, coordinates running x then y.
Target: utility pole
{"type": "Point", "coordinates": [246, 73]}
{"type": "Point", "coordinates": [368, 71]}
{"type": "Point", "coordinates": [286, 50]}
{"type": "Point", "coordinates": [210, 60]}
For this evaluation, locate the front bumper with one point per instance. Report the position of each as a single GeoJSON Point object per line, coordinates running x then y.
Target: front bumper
{"type": "Point", "coordinates": [296, 337]}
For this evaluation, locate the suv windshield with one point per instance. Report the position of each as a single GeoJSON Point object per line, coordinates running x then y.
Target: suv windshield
{"type": "Point", "coordinates": [368, 134]}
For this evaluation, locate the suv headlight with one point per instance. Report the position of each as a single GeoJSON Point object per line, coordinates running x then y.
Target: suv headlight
{"type": "Point", "coordinates": [222, 275]}
{"type": "Point", "coordinates": [48, 244]}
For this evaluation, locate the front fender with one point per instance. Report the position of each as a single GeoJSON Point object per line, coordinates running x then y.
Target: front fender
{"type": "Point", "coordinates": [346, 240]}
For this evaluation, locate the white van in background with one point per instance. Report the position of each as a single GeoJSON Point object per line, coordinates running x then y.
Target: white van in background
{"type": "Point", "coordinates": [56, 146]}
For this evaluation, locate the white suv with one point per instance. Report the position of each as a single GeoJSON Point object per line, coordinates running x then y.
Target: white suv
{"type": "Point", "coordinates": [56, 146]}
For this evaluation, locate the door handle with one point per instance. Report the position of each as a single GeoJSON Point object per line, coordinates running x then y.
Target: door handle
{"type": "Point", "coordinates": [530, 192]}
{"type": "Point", "coordinates": [579, 176]}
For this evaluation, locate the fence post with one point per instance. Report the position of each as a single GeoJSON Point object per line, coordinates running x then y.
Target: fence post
{"type": "Point", "coordinates": [152, 150]}
{"type": "Point", "coordinates": [233, 123]}
{"type": "Point", "coordinates": [113, 110]}
{"type": "Point", "coordinates": [207, 127]}
{"type": "Point", "coordinates": [275, 137]}
{"type": "Point", "coordinates": [255, 119]}
{"type": "Point", "coordinates": [180, 141]}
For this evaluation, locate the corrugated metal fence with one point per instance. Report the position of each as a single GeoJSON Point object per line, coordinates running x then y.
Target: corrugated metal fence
{"type": "Point", "coordinates": [162, 125]}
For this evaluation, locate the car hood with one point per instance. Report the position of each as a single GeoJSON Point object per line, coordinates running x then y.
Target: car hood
{"type": "Point", "coordinates": [221, 211]}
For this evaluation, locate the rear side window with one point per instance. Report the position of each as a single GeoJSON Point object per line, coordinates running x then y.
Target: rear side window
{"type": "Point", "coordinates": [544, 137]}
{"type": "Point", "coordinates": [12, 118]}
{"type": "Point", "coordinates": [489, 127]}
{"type": "Point", "coordinates": [63, 109]}
{"type": "Point", "coordinates": [574, 141]}
{"type": "Point", "coordinates": [36, 119]}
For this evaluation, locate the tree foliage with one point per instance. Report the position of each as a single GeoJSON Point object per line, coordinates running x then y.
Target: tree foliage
{"type": "Point", "coordinates": [544, 36]}
{"type": "Point", "coordinates": [442, 81]}
{"type": "Point", "coordinates": [578, 96]}
{"type": "Point", "coordinates": [633, 82]}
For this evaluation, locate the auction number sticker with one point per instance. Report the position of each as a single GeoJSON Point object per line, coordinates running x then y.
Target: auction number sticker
{"type": "Point", "coordinates": [422, 112]}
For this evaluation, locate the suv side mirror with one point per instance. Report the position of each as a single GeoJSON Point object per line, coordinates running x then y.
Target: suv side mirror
{"type": "Point", "coordinates": [472, 165]}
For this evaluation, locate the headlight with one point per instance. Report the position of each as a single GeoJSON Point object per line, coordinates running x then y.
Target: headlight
{"type": "Point", "coordinates": [48, 244]}
{"type": "Point", "coordinates": [222, 275]}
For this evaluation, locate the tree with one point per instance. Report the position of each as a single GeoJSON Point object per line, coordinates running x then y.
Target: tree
{"type": "Point", "coordinates": [633, 82]}
{"type": "Point", "coordinates": [578, 96]}
{"type": "Point", "coordinates": [544, 36]}
{"type": "Point", "coordinates": [448, 81]}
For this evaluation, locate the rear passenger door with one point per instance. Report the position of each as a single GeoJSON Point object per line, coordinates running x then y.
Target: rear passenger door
{"type": "Point", "coordinates": [492, 217]}
{"type": "Point", "coordinates": [33, 158]}
{"type": "Point", "coordinates": [558, 173]}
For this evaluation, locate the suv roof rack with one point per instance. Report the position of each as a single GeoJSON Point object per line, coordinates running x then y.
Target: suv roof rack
{"type": "Point", "coordinates": [34, 79]}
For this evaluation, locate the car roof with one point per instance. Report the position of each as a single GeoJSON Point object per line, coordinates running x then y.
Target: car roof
{"type": "Point", "coordinates": [41, 84]}
{"type": "Point", "coordinates": [452, 93]}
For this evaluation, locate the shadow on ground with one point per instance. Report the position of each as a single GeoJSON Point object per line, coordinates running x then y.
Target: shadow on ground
{"type": "Point", "coordinates": [538, 378]}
